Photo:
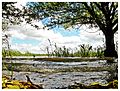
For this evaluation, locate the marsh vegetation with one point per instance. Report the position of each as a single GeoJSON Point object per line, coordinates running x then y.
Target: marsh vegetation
{"type": "Point", "coordinates": [62, 69]}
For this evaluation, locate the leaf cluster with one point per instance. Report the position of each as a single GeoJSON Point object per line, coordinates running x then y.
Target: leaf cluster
{"type": "Point", "coordinates": [15, 84]}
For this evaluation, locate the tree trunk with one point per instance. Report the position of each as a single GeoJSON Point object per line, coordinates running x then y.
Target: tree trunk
{"type": "Point", "coordinates": [110, 46]}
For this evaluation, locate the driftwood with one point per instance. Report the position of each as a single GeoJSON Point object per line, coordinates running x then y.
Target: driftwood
{"type": "Point", "coordinates": [34, 86]}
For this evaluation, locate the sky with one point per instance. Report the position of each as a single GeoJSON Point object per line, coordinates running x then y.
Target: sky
{"type": "Point", "coordinates": [27, 38]}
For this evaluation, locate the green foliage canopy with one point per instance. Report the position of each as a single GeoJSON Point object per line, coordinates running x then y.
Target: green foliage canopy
{"type": "Point", "coordinates": [97, 14]}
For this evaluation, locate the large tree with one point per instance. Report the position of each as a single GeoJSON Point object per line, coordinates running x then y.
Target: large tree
{"type": "Point", "coordinates": [71, 14]}
{"type": "Point", "coordinates": [96, 14]}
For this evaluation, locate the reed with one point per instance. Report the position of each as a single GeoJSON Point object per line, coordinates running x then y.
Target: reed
{"type": "Point", "coordinates": [53, 50]}
{"type": "Point", "coordinates": [83, 51]}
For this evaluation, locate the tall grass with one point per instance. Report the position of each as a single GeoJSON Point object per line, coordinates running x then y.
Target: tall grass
{"type": "Point", "coordinates": [82, 51]}
{"type": "Point", "coordinates": [85, 50]}
{"type": "Point", "coordinates": [60, 51]}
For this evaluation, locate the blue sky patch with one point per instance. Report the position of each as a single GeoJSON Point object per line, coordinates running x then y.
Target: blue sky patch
{"type": "Point", "coordinates": [25, 41]}
{"type": "Point", "coordinates": [67, 33]}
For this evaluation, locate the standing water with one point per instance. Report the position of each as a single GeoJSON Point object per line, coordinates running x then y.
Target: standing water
{"type": "Point", "coordinates": [62, 74]}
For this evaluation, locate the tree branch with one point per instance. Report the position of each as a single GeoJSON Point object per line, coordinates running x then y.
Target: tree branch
{"type": "Point", "coordinates": [102, 26]}
{"type": "Point", "coordinates": [115, 22]}
{"type": "Point", "coordinates": [115, 29]}
{"type": "Point", "coordinates": [114, 12]}
{"type": "Point", "coordinates": [111, 7]}
{"type": "Point", "coordinates": [100, 7]}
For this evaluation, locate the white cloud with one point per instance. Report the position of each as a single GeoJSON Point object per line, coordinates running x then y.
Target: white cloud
{"type": "Point", "coordinates": [20, 4]}
{"type": "Point", "coordinates": [28, 47]}
{"type": "Point", "coordinates": [91, 36]}
{"type": "Point", "coordinates": [25, 31]}
{"type": "Point", "coordinates": [16, 34]}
